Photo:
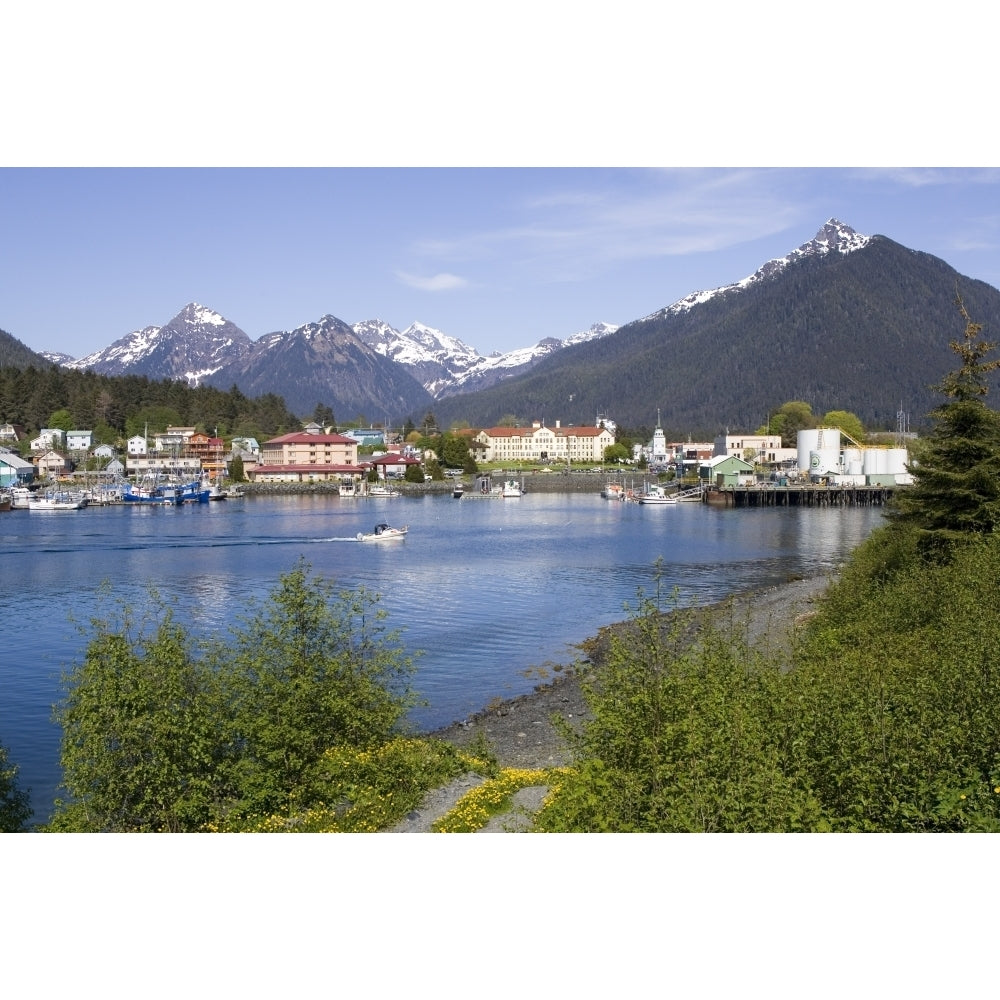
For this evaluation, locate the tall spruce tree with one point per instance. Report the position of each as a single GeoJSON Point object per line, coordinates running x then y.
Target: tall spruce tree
{"type": "Point", "coordinates": [955, 494]}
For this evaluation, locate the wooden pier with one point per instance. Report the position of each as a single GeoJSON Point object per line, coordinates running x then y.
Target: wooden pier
{"type": "Point", "coordinates": [807, 495]}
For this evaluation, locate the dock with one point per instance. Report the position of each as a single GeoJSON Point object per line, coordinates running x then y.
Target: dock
{"type": "Point", "coordinates": [799, 495]}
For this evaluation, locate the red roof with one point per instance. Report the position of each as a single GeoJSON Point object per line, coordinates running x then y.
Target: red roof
{"type": "Point", "coordinates": [301, 437]}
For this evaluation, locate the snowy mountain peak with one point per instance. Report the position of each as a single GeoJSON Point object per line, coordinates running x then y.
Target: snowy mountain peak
{"type": "Point", "coordinates": [833, 237]}
{"type": "Point", "coordinates": [200, 315]}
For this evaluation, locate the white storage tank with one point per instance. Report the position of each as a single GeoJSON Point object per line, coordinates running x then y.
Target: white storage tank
{"type": "Point", "coordinates": [852, 462]}
{"type": "Point", "coordinates": [876, 462]}
{"type": "Point", "coordinates": [823, 462]}
{"type": "Point", "coordinates": [897, 459]}
{"type": "Point", "coordinates": [806, 441]}
{"type": "Point", "coordinates": [826, 441]}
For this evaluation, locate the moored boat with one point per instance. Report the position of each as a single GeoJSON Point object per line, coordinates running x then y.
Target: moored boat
{"type": "Point", "coordinates": [57, 501]}
{"type": "Point", "coordinates": [656, 495]}
{"type": "Point", "coordinates": [376, 490]}
{"type": "Point", "coordinates": [166, 493]}
{"type": "Point", "coordinates": [512, 488]}
{"type": "Point", "coordinates": [383, 533]}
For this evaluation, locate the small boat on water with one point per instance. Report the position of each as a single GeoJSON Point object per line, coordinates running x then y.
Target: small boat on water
{"type": "Point", "coordinates": [613, 490]}
{"type": "Point", "coordinates": [656, 495]}
{"type": "Point", "coordinates": [383, 533]}
{"type": "Point", "coordinates": [512, 488]}
{"type": "Point", "coordinates": [20, 497]}
{"type": "Point", "coordinates": [375, 490]}
{"type": "Point", "coordinates": [59, 501]}
{"type": "Point", "coordinates": [458, 491]}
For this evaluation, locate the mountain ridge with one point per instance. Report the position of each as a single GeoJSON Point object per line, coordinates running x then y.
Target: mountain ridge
{"type": "Point", "coordinates": [844, 321]}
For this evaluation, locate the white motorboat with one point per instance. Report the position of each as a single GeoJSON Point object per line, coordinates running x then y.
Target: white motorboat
{"type": "Point", "coordinates": [47, 502]}
{"type": "Point", "coordinates": [375, 490]}
{"type": "Point", "coordinates": [512, 488]}
{"type": "Point", "coordinates": [656, 495]}
{"type": "Point", "coordinates": [383, 533]}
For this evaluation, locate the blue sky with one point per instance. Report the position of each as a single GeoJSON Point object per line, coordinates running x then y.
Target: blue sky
{"type": "Point", "coordinates": [499, 258]}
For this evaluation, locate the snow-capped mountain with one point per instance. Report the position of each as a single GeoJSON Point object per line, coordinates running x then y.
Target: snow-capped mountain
{"type": "Point", "coordinates": [834, 237]}
{"type": "Point", "coordinates": [446, 366]}
{"type": "Point", "coordinates": [193, 345]}
{"type": "Point", "coordinates": [324, 362]}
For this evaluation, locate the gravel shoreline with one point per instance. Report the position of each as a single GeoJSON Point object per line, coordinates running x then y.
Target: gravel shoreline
{"type": "Point", "coordinates": [521, 733]}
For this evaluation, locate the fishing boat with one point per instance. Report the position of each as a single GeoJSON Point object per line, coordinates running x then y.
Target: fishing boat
{"type": "Point", "coordinates": [346, 488]}
{"type": "Point", "coordinates": [512, 488]}
{"type": "Point", "coordinates": [383, 533]}
{"type": "Point", "coordinates": [166, 493]}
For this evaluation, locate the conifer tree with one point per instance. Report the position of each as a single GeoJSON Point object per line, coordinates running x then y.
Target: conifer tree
{"type": "Point", "coordinates": [955, 495]}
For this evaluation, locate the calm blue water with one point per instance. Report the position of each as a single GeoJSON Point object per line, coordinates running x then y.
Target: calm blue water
{"type": "Point", "coordinates": [487, 589]}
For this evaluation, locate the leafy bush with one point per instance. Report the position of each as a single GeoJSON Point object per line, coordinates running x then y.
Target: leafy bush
{"type": "Point", "coordinates": [161, 733]}
{"type": "Point", "coordinates": [15, 802]}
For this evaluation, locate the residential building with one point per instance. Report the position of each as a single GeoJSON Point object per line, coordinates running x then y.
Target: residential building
{"type": "Point", "coordinates": [52, 464]}
{"type": "Point", "coordinates": [11, 433]}
{"type": "Point", "coordinates": [136, 446]}
{"type": "Point", "coordinates": [173, 439]}
{"type": "Point", "coordinates": [48, 438]}
{"type": "Point", "coordinates": [305, 457]}
{"type": "Point", "coordinates": [179, 465]}
{"type": "Point", "coordinates": [540, 443]}
{"type": "Point", "coordinates": [246, 444]}
{"type": "Point", "coordinates": [79, 440]}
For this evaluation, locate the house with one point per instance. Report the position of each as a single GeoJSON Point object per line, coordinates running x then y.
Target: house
{"type": "Point", "coordinates": [306, 456]}
{"type": "Point", "coordinates": [244, 445]}
{"type": "Point", "coordinates": [104, 451]}
{"type": "Point", "coordinates": [48, 438]}
{"type": "Point", "coordinates": [136, 446]}
{"type": "Point", "coordinates": [11, 433]}
{"type": "Point", "coordinates": [52, 464]}
{"type": "Point", "coordinates": [14, 470]}
{"type": "Point", "coordinates": [540, 443]}
{"type": "Point", "coordinates": [727, 470]}
{"type": "Point", "coordinates": [173, 439]}
{"type": "Point", "coordinates": [79, 440]}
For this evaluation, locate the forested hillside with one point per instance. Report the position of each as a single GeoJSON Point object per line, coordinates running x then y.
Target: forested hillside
{"type": "Point", "coordinates": [118, 406]}
{"type": "Point", "coordinates": [15, 354]}
{"type": "Point", "coordinates": [858, 332]}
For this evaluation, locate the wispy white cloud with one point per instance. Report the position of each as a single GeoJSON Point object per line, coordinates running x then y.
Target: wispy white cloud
{"type": "Point", "coordinates": [442, 282]}
{"type": "Point", "coordinates": [593, 221]}
{"type": "Point", "coordinates": [918, 177]}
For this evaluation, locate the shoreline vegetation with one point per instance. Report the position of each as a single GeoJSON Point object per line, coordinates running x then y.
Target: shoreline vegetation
{"type": "Point", "coordinates": [523, 733]}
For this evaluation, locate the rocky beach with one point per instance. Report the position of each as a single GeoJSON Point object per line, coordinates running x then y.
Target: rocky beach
{"type": "Point", "coordinates": [522, 733]}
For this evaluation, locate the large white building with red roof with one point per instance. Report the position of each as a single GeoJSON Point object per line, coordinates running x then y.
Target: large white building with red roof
{"type": "Point", "coordinates": [308, 456]}
{"type": "Point", "coordinates": [539, 443]}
